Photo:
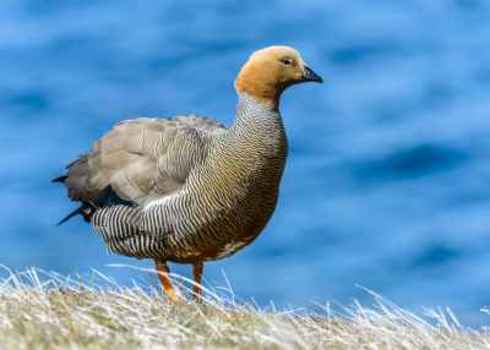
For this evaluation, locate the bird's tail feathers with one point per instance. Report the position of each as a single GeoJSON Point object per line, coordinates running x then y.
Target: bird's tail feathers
{"type": "Point", "coordinates": [84, 210]}
{"type": "Point", "coordinates": [61, 178]}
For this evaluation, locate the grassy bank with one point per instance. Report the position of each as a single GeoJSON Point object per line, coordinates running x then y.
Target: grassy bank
{"type": "Point", "coordinates": [47, 311]}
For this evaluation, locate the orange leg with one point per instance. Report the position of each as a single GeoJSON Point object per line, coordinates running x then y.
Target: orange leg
{"type": "Point", "coordinates": [162, 269]}
{"type": "Point", "coordinates": [196, 288]}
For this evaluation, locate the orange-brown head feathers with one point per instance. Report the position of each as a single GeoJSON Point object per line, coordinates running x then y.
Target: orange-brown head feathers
{"type": "Point", "coordinates": [271, 70]}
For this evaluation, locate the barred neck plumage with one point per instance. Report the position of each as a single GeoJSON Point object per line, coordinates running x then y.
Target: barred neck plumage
{"type": "Point", "coordinates": [252, 112]}
{"type": "Point", "coordinates": [258, 123]}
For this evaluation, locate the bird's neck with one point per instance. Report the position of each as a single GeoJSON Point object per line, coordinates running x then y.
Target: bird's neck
{"type": "Point", "coordinates": [257, 120]}
{"type": "Point", "coordinates": [257, 135]}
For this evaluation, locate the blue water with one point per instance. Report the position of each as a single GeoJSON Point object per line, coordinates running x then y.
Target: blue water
{"type": "Point", "coordinates": [388, 181]}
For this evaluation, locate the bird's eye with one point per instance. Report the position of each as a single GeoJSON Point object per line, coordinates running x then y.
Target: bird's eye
{"type": "Point", "coordinates": [286, 61]}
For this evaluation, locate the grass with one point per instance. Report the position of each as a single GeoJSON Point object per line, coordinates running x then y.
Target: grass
{"type": "Point", "coordinates": [40, 310]}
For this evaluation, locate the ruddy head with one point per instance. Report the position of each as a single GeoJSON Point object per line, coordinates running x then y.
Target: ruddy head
{"type": "Point", "coordinates": [269, 71]}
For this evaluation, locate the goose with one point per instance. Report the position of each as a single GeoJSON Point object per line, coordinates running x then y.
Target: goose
{"type": "Point", "coordinates": [188, 189]}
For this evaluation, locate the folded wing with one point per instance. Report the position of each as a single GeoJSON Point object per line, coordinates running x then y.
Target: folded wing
{"type": "Point", "coordinates": [138, 161]}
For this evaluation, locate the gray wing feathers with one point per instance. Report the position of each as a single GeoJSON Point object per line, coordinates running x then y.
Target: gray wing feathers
{"type": "Point", "coordinates": [145, 158]}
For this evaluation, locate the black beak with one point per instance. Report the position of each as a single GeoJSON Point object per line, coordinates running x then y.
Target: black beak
{"type": "Point", "coordinates": [309, 75]}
